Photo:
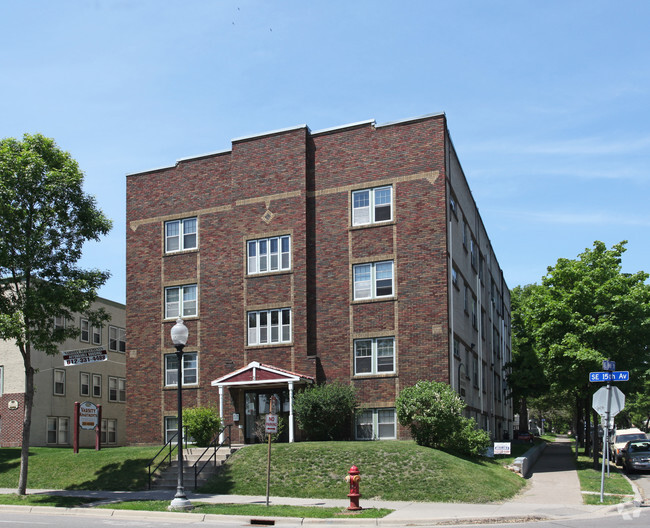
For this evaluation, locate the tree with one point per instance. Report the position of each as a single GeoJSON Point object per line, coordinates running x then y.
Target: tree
{"type": "Point", "coordinates": [585, 311]}
{"type": "Point", "coordinates": [526, 377]}
{"type": "Point", "coordinates": [45, 218]}
{"type": "Point", "coordinates": [202, 423]}
{"type": "Point", "coordinates": [433, 413]}
{"type": "Point", "coordinates": [324, 411]}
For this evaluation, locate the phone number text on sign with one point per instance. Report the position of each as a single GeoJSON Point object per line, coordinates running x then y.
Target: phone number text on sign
{"type": "Point", "coordinates": [81, 357]}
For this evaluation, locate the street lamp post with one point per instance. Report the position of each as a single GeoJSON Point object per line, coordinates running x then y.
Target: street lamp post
{"type": "Point", "coordinates": [179, 338]}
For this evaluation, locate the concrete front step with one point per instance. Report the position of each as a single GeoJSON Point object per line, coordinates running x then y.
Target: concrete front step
{"type": "Point", "coordinates": [168, 479]}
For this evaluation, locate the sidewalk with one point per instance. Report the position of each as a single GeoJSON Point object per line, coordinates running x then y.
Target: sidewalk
{"type": "Point", "coordinates": [552, 492]}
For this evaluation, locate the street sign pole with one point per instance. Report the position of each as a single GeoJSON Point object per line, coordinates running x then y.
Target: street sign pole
{"type": "Point", "coordinates": [605, 441]}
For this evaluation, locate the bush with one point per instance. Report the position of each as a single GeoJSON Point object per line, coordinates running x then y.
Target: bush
{"type": "Point", "coordinates": [433, 413]}
{"type": "Point", "coordinates": [324, 412]}
{"type": "Point", "coordinates": [202, 423]}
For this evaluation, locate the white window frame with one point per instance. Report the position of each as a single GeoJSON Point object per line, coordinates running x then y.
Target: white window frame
{"type": "Point", "coordinates": [61, 430]}
{"type": "Point", "coordinates": [368, 278]}
{"type": "Point", "coordinates": [369, 204]}
{"type": "Point", "coordinates": [184, 238]}
{"type": "Point", "coordinates": [268, 255]}
{"type": "Point", "coordinates": [96, 333]}
{"type": "Point", "coordinates": [374, 422]}
{"type": "Point", "coordinates": [109, 436]}
{"type": "Point", "coordinates": [84, 327]}
{"type": "Point", "coordinates": [171, 427]}
{"type": "Point", "coordinates": [116, 339]}
{"type": "Point", "coordinates": [121, 390]}
{"type": "Point", "coordinates": [96, 384]}
{"type": "Point", "coordinates": [58, 377]}
{"type": "Point", "coordinates": [371, 348]}
{"type": "Point", "coordinates": [2, 379]}
{"type": "Point", "coordinates": [189, 370]}
{"type": "Point", "coordinates": [269, 327]}
{"type": "Point", "coordinates": [85, 375]}
{"type": "Point", "coordinates": [112, 388]}
{"type": "Point", "coordinates": [181, 301]}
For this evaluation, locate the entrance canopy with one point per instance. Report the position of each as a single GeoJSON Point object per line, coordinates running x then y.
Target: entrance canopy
{"type": "Point", "coordinates": [259, 376]}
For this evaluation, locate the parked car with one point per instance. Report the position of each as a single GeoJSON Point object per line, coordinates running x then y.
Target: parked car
{"type": "Point", "coordinates": [622, 437]}
{"type": "Point", "coordinates": [525, 436]}
{"type": "Point", "coordinates": [636, 455]}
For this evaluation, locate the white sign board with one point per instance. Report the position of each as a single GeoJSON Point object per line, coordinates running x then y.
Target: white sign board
{"type": "Point", "coordinates": [88, 415]}
{"type": "Point", "coordinates": [501, 448]}
{"type": "Point", "coordinates": [599, 401]}
{"type": "Point", "coordinates": [80, 357]}
{"type": "Point", "coordinates": [271, 423]}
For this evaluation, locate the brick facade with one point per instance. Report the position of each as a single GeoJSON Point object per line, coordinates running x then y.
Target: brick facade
{"type": "Point", "coordinates": [298, 183]}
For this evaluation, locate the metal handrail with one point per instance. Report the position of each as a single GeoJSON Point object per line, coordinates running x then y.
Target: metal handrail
{"type": "Point", "coordinates": [172, 444]}
{"type": "Point", "coordinates": [215, 445]}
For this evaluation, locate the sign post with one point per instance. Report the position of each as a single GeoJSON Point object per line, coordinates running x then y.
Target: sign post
{"type": "Point", "coordinates": [608, 402]}
{"type": "Point", "coordinates": [271, 427]}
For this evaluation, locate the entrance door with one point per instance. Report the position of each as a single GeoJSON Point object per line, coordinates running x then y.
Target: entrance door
{"type": "Point", "coordinates": [257, 405]}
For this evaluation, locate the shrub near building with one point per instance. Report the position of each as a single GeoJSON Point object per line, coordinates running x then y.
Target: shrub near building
{"type": "Point", "coordinates": [324, 412]}
{"type": "Point", "coordinates": [433, 413]}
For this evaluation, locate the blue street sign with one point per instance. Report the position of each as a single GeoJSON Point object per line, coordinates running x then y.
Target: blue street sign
{"type": "Point", "coordinates": [609, 366]}
{"type": "Point", "coordinates": [621, 375]}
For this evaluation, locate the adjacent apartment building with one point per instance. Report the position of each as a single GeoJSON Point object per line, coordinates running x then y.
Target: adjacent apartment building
{"type": "Point", "coordinates": [354, 254]}
{"type": "Point", "coordinates": [58, 387]}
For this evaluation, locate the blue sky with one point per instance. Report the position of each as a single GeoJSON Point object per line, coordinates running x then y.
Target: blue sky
{"type": "Point", "coordinates": [548, 103]}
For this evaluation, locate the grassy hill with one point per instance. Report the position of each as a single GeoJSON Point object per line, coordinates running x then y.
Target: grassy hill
{"type": "Point", "coordinates": [390, 470]}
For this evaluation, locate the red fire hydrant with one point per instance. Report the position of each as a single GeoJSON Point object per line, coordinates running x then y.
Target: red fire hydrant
{"type": "Point", "coordinates": [353, 479]}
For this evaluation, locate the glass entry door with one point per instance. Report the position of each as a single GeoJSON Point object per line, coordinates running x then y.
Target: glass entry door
{"type": "Point", "coordinates": [257, 404]}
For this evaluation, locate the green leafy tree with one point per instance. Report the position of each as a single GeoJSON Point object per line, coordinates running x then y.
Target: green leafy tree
{"type": "Point", "coordinates": [45, 218]}
{"type": "Point", "coordinates": [202, 423]}
{"type": "Point", "coordinates": [526, 377]}
{"type": "Point", "coordinates": [433, 412]}
{"type": "Point", "coordinates": [324, 412]}
{"type": "Point", "coordinates": [585, 311]}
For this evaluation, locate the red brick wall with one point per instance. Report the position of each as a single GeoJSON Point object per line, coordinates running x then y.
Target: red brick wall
{"type": "Point", "coordinates": [305, 182]}
{"type": "Point", "coordinates": [11, 420]}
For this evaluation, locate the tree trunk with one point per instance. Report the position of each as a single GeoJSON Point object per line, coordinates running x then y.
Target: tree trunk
{"type": "Point", "coordinates": [579, 427]}
{"type": "Point", "coordinates": [523, 414]}
{"type": "Point", "coordinates": [594, 449]}
{"type": "Point", "coordinates": [588, 427]}
{"type": "Point", "coordinates": [27, 421]}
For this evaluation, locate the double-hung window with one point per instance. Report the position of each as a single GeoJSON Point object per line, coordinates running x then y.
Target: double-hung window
{"type": "Point", "coordinates": [109, 431]}
{"type": "Point", "coordinates": [85, 330]}
{"type": "Point", "coordinates": [180, 301]}
{"type": "Point", "coordinates": [116, 339]}
{"type": "Point", "coordinates": [269, 326]}
{"type": "Point", "coordinates": [376, 424]}
{"type": "Point", "coordinates": [59, 382]}
{"type": "Point", "coordinates": [189, 370]}
{"type": "Point", "coordinates": [267, 255]}
{"type": "Point", "coordinates": [180, 235]}
{"type": "Point", "coordinates": [373, 280]}
{"type": "Point", "coordinates": [97, 335]}
{"type": "Point", "coordinates": [374, 356]}
{"type": "Point", "coordinates": [370, 206]}
{"type": "Point", "coordinates": [84, 384]}
{"type": "Point", "coordinates": [57, 429]}
{"type": "Point", "coordinates": [97, 385]}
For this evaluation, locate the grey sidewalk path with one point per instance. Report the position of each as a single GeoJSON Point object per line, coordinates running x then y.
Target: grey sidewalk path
{"type": "Point", "coordinates": [552, 492]}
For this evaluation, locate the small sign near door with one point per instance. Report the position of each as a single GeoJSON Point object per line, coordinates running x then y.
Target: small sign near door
{"type": "Point", "coordinates": [271, 423]}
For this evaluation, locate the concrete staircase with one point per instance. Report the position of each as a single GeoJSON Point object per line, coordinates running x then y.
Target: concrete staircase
{"type": "Point", "coordinates": [168, 477]}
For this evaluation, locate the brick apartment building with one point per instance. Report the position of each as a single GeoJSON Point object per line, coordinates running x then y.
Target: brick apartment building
{"type": "Point", "coordinates": [354, 254]}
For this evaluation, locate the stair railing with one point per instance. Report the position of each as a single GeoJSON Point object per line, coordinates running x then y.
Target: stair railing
{"type": "Point", "coordinates": [214, 446]}
{"type": "Point", "coordinates": [170, 446]}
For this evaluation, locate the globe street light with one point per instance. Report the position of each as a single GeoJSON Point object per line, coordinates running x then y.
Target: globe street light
{"type": "Point", "coordinates": [179, 338]}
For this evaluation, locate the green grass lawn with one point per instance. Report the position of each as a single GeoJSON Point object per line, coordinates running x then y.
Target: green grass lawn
{"type": "Point", "coordinates": [390, 470]}
{"type": "Point", "coordinates": [116, 468]}
{"type": "Point", "coordinates": [590, 479]}
{"type": "Point", "coordinates": [258, 510]}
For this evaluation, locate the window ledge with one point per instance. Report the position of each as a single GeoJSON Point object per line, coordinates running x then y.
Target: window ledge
{"type": "Point", "coordinates": [180, 252]}
{"type": "Point", "coordinates": [175, 387]}
{"type": "Point", "coordinates": [375, 224]}
{"type": "Point", "coordinates": [387, 375]}
{"type": "Point", "coordinates": [269, 274]}
{"type": "Point", "coordinates": [268, 345]}
{"type": "Point", "coordinates": [380, 299]}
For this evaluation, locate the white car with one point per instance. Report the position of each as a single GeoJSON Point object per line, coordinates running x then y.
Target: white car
{"type": "Point", "coordinates": [622, 437]}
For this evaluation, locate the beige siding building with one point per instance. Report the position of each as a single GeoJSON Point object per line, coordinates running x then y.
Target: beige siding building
{"type": "Point", "coordinates": [58, 387]}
